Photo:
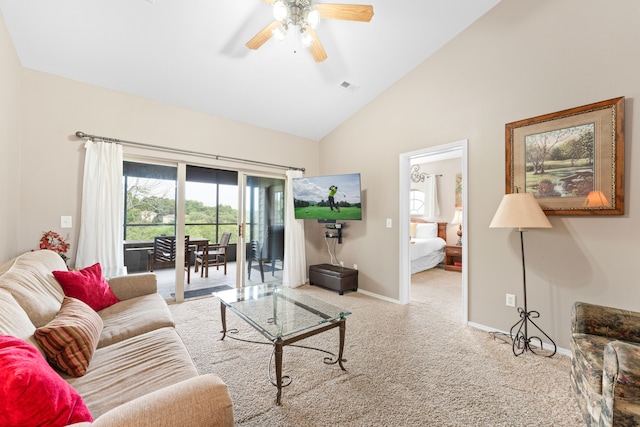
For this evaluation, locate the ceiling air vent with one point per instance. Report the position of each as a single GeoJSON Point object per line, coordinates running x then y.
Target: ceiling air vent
{"type": "Point", "coordinates": [348, 86]}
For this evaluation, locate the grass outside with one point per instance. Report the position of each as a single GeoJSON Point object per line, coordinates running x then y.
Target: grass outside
{"type": "Point", "coordinates": [324, 212]}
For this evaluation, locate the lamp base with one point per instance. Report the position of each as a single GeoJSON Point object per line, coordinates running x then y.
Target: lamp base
{"type": "Point", "coordinates": [521, 341]}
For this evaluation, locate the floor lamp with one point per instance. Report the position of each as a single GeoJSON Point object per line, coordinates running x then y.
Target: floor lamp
{"type": "Point", "coordinates": [522, 211]}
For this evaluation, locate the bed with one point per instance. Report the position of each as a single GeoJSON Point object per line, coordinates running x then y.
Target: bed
{"type": "Point", "coordinates": [428, 240]}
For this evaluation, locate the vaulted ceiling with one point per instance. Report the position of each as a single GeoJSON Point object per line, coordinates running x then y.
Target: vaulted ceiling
{"type": "Point", "coordinates": [192, 53]}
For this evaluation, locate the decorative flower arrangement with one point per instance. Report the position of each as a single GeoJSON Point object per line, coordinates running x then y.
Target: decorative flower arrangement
{"type": "Point", "coordinates": [54, 242]}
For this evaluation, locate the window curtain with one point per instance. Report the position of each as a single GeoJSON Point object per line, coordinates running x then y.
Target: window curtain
{"type": "Point", "coordinates": [431, 208]}
{"type": "Point", "coordinates": [295, 263]}
{"type": "Point", "coordinates": [102, 213]}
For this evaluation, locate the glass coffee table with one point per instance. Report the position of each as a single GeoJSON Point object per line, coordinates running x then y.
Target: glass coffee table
{"type": "Point", "coordinates": [283, 316]}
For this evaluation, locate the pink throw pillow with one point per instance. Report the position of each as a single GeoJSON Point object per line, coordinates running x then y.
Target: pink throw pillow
{"type": "Point", "coordinates": [88, 285]}
{"type": "Point", "coordinates": [32, 393]}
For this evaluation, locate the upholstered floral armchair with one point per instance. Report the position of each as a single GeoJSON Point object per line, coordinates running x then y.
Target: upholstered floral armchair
{"type": "Point", "coordinates": [605, 364]}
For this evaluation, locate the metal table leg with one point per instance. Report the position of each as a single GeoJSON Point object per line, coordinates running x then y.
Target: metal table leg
{"type": "Point", "coordinates": [223, 318]}
{"type": "Point", "coordinates": [278, 353]}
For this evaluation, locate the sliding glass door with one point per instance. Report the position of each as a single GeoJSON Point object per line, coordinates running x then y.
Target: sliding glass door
{"type": "Point", "coordinates": [263, 229]}
{"type": "Point", "coordinates": [203, 203]}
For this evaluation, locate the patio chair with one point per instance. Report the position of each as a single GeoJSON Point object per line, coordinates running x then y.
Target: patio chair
{"type": "Point", "coordinates": [214, 254]}
{"type": "Point", "coordinates": [164, 252]}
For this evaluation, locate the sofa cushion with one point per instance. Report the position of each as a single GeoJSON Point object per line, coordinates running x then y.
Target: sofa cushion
{"type": "Point", "coordinates": [14, 320]}
{"type": "Point", "coordinates": [31, 283]}
{"type": "Point", "coordinates": [87, 285]}
{"type": "Point", "coordinates": [132, 368]}
{"type": "Point", "coordinates": [31, 392]}
{"type": "Point", "coordinates": [133, 317]}
{"type": "Point", "coordinates": [70, 339]}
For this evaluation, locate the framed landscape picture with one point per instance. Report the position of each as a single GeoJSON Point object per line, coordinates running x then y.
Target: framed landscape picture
{"type": "Point", "coordinates": [572, 161]}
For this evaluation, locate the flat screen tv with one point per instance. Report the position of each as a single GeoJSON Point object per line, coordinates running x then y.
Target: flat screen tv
{"type": "Point", "coordinates": [328, 198]}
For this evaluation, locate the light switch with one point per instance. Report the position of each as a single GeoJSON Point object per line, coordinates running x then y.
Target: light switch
{"type": "Point", "coordinates": [389, 223]}
{"type": "Point", "coordinates": [65, 221]}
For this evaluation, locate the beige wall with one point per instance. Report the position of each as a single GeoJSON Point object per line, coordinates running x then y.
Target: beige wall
{"type": "Point", "coordinates": [10, 84]}
{"type": "Point", "coordinates": [522, 59]}
{"type": "Point", "coordinates": [55, 108]}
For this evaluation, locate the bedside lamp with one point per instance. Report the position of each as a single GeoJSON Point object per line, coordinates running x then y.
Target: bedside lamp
{"type": "Point", "coordinates": [457, 220]}
{"type": "Point", "coordinates": [522, 211]}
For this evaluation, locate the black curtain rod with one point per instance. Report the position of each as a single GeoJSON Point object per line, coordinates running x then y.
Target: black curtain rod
{"type": "Point", "coordinates": [83, 135]}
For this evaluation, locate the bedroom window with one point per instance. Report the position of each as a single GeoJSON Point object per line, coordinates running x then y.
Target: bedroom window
{"type": "Point", "coordinates": [416, 202]}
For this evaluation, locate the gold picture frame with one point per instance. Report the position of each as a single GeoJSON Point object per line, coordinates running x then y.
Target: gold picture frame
{"type": "Point", "coordinates": [572, 161]}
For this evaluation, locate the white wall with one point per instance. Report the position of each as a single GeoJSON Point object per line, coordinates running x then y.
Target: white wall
{"type": "Point", "coordinates": [10, 84]}
{"type": "Point", "coordinates": [522, 59]}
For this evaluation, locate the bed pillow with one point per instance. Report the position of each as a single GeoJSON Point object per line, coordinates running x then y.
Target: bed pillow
{"type": "Point", "coordinates": [412, 233]}
{"type": "Point", "coordinates": [31, 392]}
{"type": "Point", "coordinates": [426, 231]}
{"type": "Point", "coordinates": [88, 285]}
{"type": "Point", "coordinates": [71, 338]}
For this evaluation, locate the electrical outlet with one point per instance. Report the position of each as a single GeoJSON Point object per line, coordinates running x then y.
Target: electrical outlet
{"type": "Point", "coordinates": [510, 300]}
{"type": "Point", "coordinates": [355, 266]}
{"type": "Point", "coordinates": [341, 263]}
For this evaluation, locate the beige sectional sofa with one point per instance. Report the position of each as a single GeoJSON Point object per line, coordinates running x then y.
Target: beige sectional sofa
{"type": "Point", "coordinates": [141, 374]}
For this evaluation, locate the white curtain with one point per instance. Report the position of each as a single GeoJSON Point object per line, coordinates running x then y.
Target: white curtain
{"type": "Point", "coordinates": [431, 208]}
{"type": "Point", "coordinates": [295, 262]}
{"type": "Point", "coordinates": [100, 237]}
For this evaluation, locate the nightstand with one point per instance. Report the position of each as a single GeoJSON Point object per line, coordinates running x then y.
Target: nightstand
{"type": "Point", "coordinates": [453, 258]}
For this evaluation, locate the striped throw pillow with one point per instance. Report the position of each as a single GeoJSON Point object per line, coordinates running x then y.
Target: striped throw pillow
{"type": "Point", "coordinates": [71, 338]}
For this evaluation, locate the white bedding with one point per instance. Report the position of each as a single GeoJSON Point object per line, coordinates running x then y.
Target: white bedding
{"type": "Point", "coordinates": [426, 253]}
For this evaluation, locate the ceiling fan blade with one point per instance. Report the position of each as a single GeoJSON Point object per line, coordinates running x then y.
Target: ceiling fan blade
{"type": "Point", "coordinates": [316, 47]}
{"type": "Point", "coordinates": [349, 12]}
{"type": "Point", "coordinates": [263, 36]}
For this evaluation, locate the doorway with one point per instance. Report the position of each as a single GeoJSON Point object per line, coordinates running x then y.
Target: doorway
{"type": "Point", "coordinates": [441, 151]}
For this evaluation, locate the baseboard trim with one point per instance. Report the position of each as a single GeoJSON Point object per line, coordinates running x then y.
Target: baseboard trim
{"type": "Point", "coordinates": [378, 296]}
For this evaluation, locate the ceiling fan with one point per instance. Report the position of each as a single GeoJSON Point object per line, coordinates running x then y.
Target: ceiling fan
{"type": "Point", "coordinates": [302, 16]}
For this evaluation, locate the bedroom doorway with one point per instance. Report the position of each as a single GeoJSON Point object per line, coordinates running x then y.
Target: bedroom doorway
{"type": "Point", "coordinates": [409, 164]}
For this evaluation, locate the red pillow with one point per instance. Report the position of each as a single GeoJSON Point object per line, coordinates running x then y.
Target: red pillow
{"type": "Point", "coordinates": [88, 285]}
{"type": "Point", "coordinates": [31, 392]}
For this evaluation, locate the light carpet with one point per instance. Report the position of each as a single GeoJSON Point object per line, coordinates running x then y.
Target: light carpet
{"type": "Point", "coordinates": [411, 365]}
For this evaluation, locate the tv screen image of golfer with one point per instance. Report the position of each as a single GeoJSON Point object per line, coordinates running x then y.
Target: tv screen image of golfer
{"type": "Point", "coordinates": [329, 197]}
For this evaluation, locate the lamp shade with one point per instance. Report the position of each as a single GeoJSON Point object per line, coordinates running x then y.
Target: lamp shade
{"type": "Point", "coordinates": [457, 217]}
{"type": "Point", "coordinates": [519, 210]}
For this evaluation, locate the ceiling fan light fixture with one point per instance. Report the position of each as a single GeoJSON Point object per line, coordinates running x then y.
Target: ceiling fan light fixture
{"type": "Point", "coordinates": [305, 38]}
{"type": "Point", "coordinates": [280, 33]}
{"type": "Point", "coordinates": [304, 16]}
{"type": "Point", "coordinates": [280, 11]}
{"type": "Point", "coordinates": [312, 18]}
